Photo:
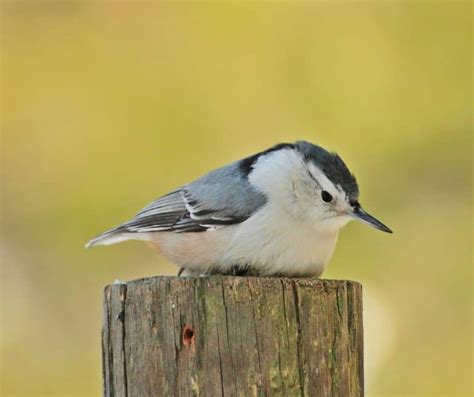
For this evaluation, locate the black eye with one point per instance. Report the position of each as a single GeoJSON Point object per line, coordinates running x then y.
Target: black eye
{"type": "Point", "coordinates": [326, 196]}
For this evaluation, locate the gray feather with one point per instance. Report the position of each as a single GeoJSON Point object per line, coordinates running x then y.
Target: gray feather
{"type": "Point", "coordinates": [220, 198]}
{"type": "Point", "coordinates": [226, 193]}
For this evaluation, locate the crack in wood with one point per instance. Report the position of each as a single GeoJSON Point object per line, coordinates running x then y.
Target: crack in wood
{"type": "Point", "coordinates": [107, 350]}
{"type": "Point", "coordinates": [299, 337]}
{"type": "Point", "coordinates": [229, 347]}
{"type": "Point", "coordinates": [121, 318]}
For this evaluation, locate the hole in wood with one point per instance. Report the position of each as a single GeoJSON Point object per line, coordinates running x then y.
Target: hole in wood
{"type": "Point", "coordinates": [188, 335]}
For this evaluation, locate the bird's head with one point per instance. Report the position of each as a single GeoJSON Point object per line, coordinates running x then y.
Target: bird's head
{"type": "Point", "coordinates": [313, 184]}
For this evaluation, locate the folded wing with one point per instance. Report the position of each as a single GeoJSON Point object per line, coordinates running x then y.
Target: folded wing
{"type": "Point", "coordinates": [221, 198]}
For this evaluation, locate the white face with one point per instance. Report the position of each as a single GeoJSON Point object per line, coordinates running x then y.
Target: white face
{"type": "Point", "coordinates": [302, 189]}
{"type": "Point", "coordinates": [330, 204]}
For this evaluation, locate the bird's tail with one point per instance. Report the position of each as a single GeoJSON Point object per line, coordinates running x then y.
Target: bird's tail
{"type": "Point", "coordinates": [108, 237]}
{"type": "Point", "coordinates": [116, 235]}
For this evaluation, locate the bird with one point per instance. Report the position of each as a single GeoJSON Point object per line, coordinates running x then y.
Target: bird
{"type": "Point", "coordinates": [276, 213]}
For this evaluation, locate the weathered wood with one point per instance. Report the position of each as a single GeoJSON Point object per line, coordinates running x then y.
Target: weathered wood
{"type": "Point", "coordinates": [233, 336]}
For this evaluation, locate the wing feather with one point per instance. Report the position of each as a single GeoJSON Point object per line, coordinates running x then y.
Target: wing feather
{"type": "Point", "coordinates": [221, 198]}
{"type": "Point", "coordinates": [178, 212]}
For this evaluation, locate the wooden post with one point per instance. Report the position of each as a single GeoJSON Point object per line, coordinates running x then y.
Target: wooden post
{"type": "Point", "coordinates": [233, 336]}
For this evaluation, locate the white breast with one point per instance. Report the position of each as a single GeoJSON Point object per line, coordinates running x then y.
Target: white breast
{"type": "Point", "coordinates": [277, 243]}
{"type": "Point", "coordinates": [271, 241]}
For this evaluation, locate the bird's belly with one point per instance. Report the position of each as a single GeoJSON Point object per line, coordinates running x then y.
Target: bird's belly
{"type": "Point", "coordinates": [290, 249]}
{"type": "Point", "coordinates": [197, 251]}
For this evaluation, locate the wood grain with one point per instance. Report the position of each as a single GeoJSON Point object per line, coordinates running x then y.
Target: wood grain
{"type": "Point", "coordinates": [233, 336]}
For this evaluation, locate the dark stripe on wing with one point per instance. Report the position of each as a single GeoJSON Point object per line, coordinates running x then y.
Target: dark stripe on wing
{"type": "Point", "coordinates": [177, 222]}
{"type": "Point", "coordinates": [180, 212]}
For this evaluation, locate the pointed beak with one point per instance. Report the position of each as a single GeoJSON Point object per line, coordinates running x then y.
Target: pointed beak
{"type": "Point", "coordinates": [365, 217]}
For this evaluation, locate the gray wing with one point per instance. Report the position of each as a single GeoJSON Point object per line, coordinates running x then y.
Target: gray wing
{"type": "Point", "coordinates": [222, 197]}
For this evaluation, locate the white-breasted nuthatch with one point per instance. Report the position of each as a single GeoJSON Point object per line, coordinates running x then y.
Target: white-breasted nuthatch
{"type": "Point", "coordinates": [277, 212]}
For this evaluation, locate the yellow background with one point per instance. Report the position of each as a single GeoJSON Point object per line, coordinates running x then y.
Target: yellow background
{"type": "Point", "coordinates": [107, 105]}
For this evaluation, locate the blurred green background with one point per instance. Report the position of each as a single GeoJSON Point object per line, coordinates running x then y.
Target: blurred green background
{"type": "Point", "coordinates": [107, 105]}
